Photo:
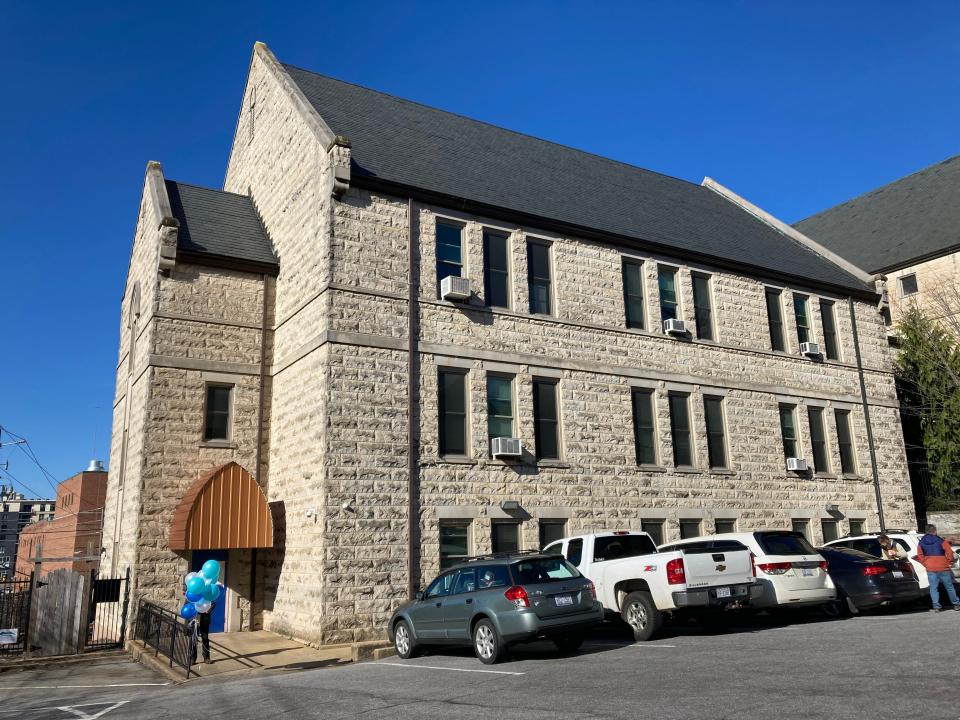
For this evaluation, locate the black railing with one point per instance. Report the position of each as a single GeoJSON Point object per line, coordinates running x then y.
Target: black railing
{"type": "Point", "coordinates": [167, 634]}
{"type": "Point", "coordinates": [14, 615]}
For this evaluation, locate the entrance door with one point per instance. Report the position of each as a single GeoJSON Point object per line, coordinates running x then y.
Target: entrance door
{"type": "Point", "coordinates": [218, 613]}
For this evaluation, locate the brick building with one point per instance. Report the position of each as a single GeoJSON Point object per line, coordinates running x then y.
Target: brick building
{"type": "Point", "coordinates": [71, 534]}
{"type": "Point", "coordinates": [303, 388]}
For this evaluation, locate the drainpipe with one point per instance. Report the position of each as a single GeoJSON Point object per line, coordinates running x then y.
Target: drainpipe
{"type": "Point", "coordinates": [263, 381]}
{"type": "Point", "coordinates": [413, 407]}
{"type": "Point", "coordinates": [866, 416]}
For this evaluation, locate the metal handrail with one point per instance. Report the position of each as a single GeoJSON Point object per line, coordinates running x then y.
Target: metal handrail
{"type": "Point", "coordinates": [166, 633]}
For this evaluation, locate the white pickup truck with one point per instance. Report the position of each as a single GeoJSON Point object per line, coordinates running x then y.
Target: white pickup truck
{"type": "Point", "coordinates": [644, 586]}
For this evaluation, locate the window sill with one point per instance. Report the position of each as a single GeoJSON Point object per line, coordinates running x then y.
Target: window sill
{"type": "Point", "coordinates": [687, 469]}
{"type": "Point", "coordinates": [824, 476]}
{"type": "Point", "coordinates": [225, 444]}
{"type": "Point", "coordinates": [852, 476]}
{"type": "Point", "coordinates": [651, 468]}
{"type": "Point", "coordinates": [455, 460]}
{"type": "Point", "coordinates": [722, 471]}
{"type": "Point", "coordinates": [552, 464]}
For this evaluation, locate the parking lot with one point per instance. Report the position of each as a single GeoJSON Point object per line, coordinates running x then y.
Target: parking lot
{"type": "Point", "coordinates": [876, 666]}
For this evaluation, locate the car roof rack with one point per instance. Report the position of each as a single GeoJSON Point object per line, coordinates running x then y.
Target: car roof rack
{"type": "Point", "coordinates": [503, 555]}
{"type": "Point", "coordinates": [877, 534]}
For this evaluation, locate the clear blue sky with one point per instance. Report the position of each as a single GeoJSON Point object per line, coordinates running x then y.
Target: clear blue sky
{"type": "Point", "coordinates": [796, 106]}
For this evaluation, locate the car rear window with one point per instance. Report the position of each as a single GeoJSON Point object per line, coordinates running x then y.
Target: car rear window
{"type": "Point", "coordinates": [845, 555]}
{"type": "Point", "coordinates": [784, 543]}
{"type": "Point", "coordinates": [614, 547]}
{"type": "Point", "coordinates": [492, 576]}
{"type": "Point", "coordinates": [543, 570]}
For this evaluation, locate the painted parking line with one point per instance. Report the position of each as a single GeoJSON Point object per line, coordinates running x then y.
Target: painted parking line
{"type": "Point", "coordinates": [648, 645]}
{"type": "Point", "coordinates": [61, 687]}
{"type": "Point", "coordinates": [451, 669]}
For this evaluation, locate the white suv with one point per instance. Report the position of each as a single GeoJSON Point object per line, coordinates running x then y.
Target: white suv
{"type": "Point", "coordinates": [786, 566]}
{"type": "Point", "coordinates": [906, 541]}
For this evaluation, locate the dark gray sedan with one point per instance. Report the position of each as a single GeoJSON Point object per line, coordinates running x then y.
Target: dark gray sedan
{"type": "Point", "coordinates": [493, 601]}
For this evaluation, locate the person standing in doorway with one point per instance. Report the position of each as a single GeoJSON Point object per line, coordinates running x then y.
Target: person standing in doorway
{"type": "Point", "coordinates": [936, 555]}
{"type": "Point", "coordinates": [202, 624]}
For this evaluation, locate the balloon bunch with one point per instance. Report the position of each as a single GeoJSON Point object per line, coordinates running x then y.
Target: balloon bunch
{"type": "Point", "coordinates": [202, 590]}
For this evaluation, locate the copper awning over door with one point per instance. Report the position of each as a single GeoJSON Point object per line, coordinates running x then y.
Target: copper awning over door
{"type": "Point", "coordinates": [224, 509]}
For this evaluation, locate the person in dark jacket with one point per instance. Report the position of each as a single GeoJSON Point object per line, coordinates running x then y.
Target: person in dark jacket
{"type": "Point", "coordinates": [936, 555]}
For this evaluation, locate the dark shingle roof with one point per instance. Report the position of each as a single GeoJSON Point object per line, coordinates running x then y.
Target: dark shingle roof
{"type": "Point", "coordinates": [420, 147]}
{"type": "Point", "coordinates": [893, 226]}
{"type": "Point", "coordinates": [218, 223]}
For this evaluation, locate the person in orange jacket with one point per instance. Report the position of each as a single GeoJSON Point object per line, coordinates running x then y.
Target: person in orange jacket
{"type": "Point", "coordinates": [936, 555]}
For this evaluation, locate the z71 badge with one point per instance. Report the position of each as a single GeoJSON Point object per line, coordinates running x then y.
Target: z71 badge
{"type": "Point", "coordinates": [649, 568]}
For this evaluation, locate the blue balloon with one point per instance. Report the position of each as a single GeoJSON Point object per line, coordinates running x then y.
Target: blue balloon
{"type": "Point", "coordinates": [211, 592]}
{"type": "Point", "coordinates": [188, 611]}
{"type": "Point", "coordinates": [211, 569]}
{"type": "Point", "coordinates": [195, 585]}
{"type": "Point", "coordinates": [193, 597]}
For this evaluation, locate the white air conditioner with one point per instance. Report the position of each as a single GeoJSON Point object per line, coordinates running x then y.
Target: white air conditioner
{"type": "Point", "coordinates": [797, 464]}
{"type": "Point", "coordinates": [675, 327]}
{"type": "Point", "coordinates": [810, 349]}
{"type": "Point", "coordinates": [455, 288]}
{"type": "Point", "coordinates": [505, 447]}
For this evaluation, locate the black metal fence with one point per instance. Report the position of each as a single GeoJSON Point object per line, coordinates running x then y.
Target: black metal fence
{"type": "Point", "coordinates": [107, 620]}
{"type": "Point", "coordinates": [14, 615]}
{"type": "Point", "coordinates": [167, 634]}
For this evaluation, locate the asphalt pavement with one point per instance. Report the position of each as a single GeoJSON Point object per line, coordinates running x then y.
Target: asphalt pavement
{"type": "Point", "coordinates": [877, 666]}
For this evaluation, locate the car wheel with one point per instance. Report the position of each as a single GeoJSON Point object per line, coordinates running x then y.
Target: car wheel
{"type": "Point", "coordinates": [641, 614]}
{"type": "Point", "coordinates": [486, 642]}
{"type": "Point", "coordinates": [403, 640]}
{"type": "Point", "coordinates": [839, 608]}
{"type": "Point", "coordinates": [568, 643]}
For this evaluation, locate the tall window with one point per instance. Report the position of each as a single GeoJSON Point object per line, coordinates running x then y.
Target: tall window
{"type": "Point", "coordinates": [546, 420]}
{"type": "Point", "coordinates": [449, 252]}
{"type": "Point", "coordinates": [644, 431]}
{"type": "Point", "coordinates": [667, 282]}
{"type": "Point", "coordinates": [716, 443]}
{"type": "Point", "coordinates": [829, 530]}
{"type": "Point", "coordinates": [216, 424]}
{"type": "Point", "coordinates": [538, 276]}
{"type": "Point", "coordinates": [499, 406]}
{"type": "Point", "coordinates": [831, 347]}
{"type": "Point", "coordinates": [680, 429]}
{"type": "Point", "coordinates": [453, 412]}
{"type": "Point", "coordinates": [788, 431]}
{"type": "Point", "coordinates": [633, 293]}
{"type": "Point", "coordinates": [801, 525]}
{"type": "Point", "coordinates": [775, 320]}
{"type": "Point", "coordinates": [496, 269]}
{"type": "Point", "coordinates": [818, 439]}
{"type": "Point", "coordinates": [702, 307]}
{"type": "Point", "coordinates": [803, 318]}
{"type": "Point", "coordinates": [551, 531]}
{"type": "Point", "coordinates": [848, 458]}
{"type": "Point", "coordinates": [505, 536]}
{"type": "Point", "coordinates": [454, 543]}
{"type": "Point", "coordinates": [689, 528]}
{"type": "Point", "coordinates": [724, 525]}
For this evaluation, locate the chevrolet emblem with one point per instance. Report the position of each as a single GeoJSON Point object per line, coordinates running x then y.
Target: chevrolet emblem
{"type": "Point", "coordinates": [721, 568]}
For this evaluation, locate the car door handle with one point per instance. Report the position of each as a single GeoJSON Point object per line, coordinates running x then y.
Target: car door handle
{"type": "Point", "coordinates": [469, 601]}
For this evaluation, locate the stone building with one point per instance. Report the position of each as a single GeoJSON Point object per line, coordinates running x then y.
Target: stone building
{"type": "Point", "coordinates": [295, 340]}
{"type": "Point", "coordinates": [907, 230]}
{"type": "Point", "coordinates": [69, 537]}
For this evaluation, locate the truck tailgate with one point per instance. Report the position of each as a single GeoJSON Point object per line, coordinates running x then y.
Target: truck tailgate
{"type": "Point", "coordinates": [711, 567]}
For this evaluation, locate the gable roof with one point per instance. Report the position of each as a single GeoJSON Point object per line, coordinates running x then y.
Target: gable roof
{"type": "Point", "coordinates": [404, 145]}
{"type": "Point", "coordinates": [899, 224]}
{"type": "Point", "coordinates": [218, 224]}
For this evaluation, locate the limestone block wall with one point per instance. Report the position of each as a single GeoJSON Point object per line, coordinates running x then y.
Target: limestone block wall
{"type": "Point", "coordinates": [938, 288]}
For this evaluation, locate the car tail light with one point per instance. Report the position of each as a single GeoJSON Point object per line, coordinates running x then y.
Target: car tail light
{"type": "Point", "coordinates": [676, 575]}
{"type": "Point", "coordinates": [753, 564]}
{"type": "Point", "coordinates": [824, 565]}
{"type": "Point", "coordinates": [875, 570]}
{"type": "Point", "coordinates": [775, 568]}
{"type": "Point", "coordinates": [518, 596]}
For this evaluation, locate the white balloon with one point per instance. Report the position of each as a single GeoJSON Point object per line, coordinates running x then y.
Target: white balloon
{"type": "Point", "coordinates": [203, 606]}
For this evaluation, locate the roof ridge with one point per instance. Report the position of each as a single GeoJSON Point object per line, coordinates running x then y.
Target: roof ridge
{"type": "Point", "coordinates": [492, 125]}
{"type": "Point", "coordinates": [877, 189]}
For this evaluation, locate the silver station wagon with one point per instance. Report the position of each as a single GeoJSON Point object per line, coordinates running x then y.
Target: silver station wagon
{"type": "Point", "coordinates": [493, 601]}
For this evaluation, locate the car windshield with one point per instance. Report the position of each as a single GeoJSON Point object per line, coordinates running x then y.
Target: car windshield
{"type": "Point", "coordinates": [784, 543]}
{"type": "Point", "coordinates": [543, 570]}
{"type": "Point", "coordinates": [614, 547]}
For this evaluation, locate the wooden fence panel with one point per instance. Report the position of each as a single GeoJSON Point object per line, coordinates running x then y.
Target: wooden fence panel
{"type": "Point", "coordinates": [57, 617]}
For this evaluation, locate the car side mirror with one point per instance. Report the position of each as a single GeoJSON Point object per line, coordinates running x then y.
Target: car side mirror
{"type": "Point", "coordinates": [419, 595]}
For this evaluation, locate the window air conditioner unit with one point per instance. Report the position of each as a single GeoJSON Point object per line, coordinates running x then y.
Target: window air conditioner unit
{"type": "Point", "coordinates": [797, 464]}
{"type": "Point", "coordinates": [810, 349]}
{"type": "Point", "coordinates": [455, 288]}
{"type": "Point", "coordinates": [674, 327]}
{"type": "Point", "coordinates": [505, 447]}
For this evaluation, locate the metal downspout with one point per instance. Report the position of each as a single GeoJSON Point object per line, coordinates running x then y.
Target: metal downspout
{"type": "Point", "coordinates": [413, 406]}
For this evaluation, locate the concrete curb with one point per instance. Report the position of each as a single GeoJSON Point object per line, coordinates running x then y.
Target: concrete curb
{"type": "Point", "coordinates": [367, 650]}
{"type": "Point", "coordinates": [40, 662]}
{"type": "Point", "coordinates": [147, 658]}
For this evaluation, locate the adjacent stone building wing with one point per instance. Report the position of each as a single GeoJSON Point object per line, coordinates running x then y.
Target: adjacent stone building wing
{"type": "Point", "coordinates": [906, 222]}
{"type": "Point", "coordinates": [225, 508]}
{"type": "Point", "coordinates": [410, 149]}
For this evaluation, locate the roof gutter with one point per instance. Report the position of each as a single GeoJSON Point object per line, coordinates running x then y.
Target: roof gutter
{"type": "Point", "coordinates": [370, 182]}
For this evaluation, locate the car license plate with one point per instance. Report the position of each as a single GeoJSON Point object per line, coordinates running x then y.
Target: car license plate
{"type": "Point", "coordinates": [806, 572]}
{"type": "Point", "coordinates": [562, 600]}
{"type": "Point", "coordinates": [723, 592]}
{"type": "Point", "coordinates": [897, 574]}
